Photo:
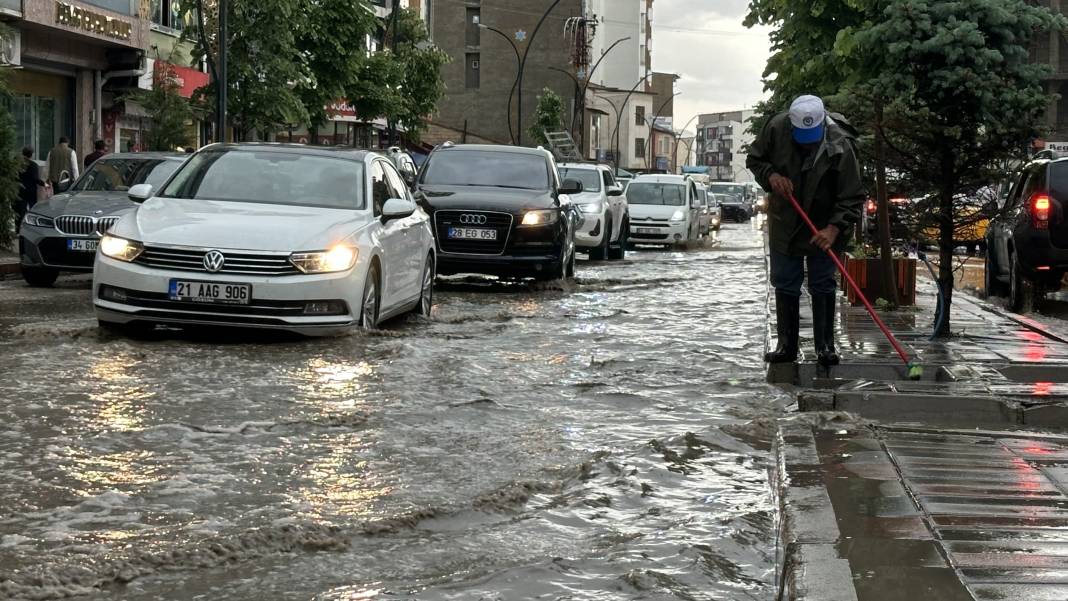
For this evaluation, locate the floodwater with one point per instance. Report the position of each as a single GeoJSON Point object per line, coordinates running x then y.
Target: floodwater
{"type": "Point", "coordinates": [607, 441]}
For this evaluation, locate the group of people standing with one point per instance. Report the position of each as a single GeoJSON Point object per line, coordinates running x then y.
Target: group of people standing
{"type": "Point", "coordinates": [61, 168]}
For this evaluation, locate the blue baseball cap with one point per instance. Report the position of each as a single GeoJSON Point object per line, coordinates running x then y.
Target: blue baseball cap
{"type": "Point", "coordinates": [808, 116]}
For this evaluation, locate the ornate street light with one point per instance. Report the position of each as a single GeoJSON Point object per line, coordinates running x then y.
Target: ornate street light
{"type": "Point", "coordinates": [518, 68]}
{"type": "Point", "coordinates": [523, 66]}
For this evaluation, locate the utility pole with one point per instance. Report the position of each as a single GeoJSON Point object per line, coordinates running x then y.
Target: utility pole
{"type": "Point", "coordinates": [221, 83]}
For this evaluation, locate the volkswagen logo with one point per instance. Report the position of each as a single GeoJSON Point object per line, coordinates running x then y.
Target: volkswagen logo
{"type": "Point", "coordinates": [214, 261]}
{"type": "Point", "coordinates": [472, 219]}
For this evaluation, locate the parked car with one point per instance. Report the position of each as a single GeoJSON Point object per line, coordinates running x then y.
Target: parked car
{"type": "Point", "coordinates": [972, 216]}
{"type": "Point", "coordinates": [664, 210]}
{"type": "Point", "coordinates": [306, 239]}
{"type": "Point", "coordinates": [734, 208]}
{"type": "Point", "coordinates": [603, 233]}
{"type": "Point", "coordinates": [61, 234]}
{"type": "Point", "coordinates": [1027, 239]}
{"type": "Point", "coordinates": [500, 210]}
{"type": "Point", "coordinates": [705, 223]}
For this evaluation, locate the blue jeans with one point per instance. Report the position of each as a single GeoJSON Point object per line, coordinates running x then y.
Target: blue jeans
{"type": "Point", "coordinates": [788, 273]}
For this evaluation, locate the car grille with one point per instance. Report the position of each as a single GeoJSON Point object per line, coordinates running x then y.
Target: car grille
{"type": "Point", "coordinates": [83, 225]}
{"type": "Point", "coordinates": [237, 263]}
{"type": "Point", "coordinates": [54, 252]}
{"type": "Point", "coordinates": [260, 307]}
{"type": "Point", "coordinates": [502, 222]}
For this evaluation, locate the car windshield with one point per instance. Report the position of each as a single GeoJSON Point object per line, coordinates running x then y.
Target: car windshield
{"type": "Point", "coordinates": [120, 174]}
{"type": "Point", "coordinates": [590, 178]}
{"type": "Point", "coordinates": [270, 177]}
{"type": "Point", "coordinates": [487, 168]}
{"type": "Point", "coordinates": [737, 190]}
{"type": "Point", "coordinates": [639, 193]}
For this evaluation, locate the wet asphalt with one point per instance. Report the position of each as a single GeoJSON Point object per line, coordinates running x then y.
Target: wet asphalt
{"type": "Point", "coordinates": [606, 439]}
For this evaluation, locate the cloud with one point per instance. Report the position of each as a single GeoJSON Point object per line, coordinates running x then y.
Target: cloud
{"type": "Point", "coordinates": [719, 71]}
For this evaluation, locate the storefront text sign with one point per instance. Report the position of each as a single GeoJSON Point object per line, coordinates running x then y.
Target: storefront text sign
{"type": "Point", "coordinates": [92, 21]}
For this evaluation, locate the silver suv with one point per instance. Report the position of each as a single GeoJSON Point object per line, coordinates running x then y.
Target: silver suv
{"type": "Point", "coordinates": [606, 216]}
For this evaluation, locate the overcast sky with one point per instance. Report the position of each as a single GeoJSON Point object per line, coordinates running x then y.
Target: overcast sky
{"type": "Point", "coordinates": [719, 60]}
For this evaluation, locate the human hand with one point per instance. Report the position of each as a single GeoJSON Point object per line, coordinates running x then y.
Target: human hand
{"type": "Point", "coordinates": [781, 185]}
{"type": "Point", "coordinates": [824, 240]}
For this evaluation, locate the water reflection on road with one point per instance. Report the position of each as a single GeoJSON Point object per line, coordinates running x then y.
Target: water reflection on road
{"type": "Point", "coordinates": [607, 441]}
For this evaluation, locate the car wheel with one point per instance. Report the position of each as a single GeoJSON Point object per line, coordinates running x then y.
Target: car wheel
{"type": "Point", "coordinates": [1021, 290]}
{"type": "Point", "coordinates": [426, 291]}
{"type": "Point", "coordinates": [371, 298]}
{"type": "Point", "coordinates": [601, 252]}
{"type": "Point", "coordinates": [40, 277]}
{"type": "Point", "coordinates": [618, 251]}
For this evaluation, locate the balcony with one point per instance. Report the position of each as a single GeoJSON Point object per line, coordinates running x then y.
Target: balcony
{"type": "Point", "coordinates": [12, 8]}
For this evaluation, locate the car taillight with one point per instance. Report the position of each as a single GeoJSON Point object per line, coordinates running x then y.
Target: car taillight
{"type": "Point", "coordinates": [871, 207]}
{"type": "Point", "coordinates": [1040, 203]}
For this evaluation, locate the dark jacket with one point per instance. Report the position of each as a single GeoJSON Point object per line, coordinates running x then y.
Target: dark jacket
{"type": "Point", "coordinates": [830, 189]}
{"type": "Point", "coordinates": [92, 157]}
{"type": "Point", "coordinates": [29, 180]}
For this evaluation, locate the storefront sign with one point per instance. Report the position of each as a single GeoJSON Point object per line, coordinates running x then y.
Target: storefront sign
{"type": "Point", "coordinates": [341, 110]}
{"type": "Point", "coordinates": [1057, 146]}
{"type": "Point", "coordinates": [71, 15]}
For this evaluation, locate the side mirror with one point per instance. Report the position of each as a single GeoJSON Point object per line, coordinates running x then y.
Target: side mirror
{"type": "Point", "coordinates": [571, 186]}
{"type": "Point", "coordinates": [140, 193]}
{"type": "Point", "coordinates": [397, 208]}
{"type": "Point", "coordinates": [615, 191]}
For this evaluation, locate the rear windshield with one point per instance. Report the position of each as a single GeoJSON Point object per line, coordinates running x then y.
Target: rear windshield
{"type": "Point", "coordinates": [119, 175]}
{"type": "Point", "coordinates": [487, 168]}
{"type": "Point", "coordinates": [591, 179]}
{"type": "Point", "coordinates": [639, 193]}
{"type": "Point", "coordinates": [270, 178]}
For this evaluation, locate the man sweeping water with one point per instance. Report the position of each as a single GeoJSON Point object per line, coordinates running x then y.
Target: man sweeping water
{"type": "Point", "coordinates": [809, 154]}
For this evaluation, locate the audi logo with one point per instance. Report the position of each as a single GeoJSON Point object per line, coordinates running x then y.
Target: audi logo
{"type": "Point", "coordinates": [214, 261]}
{"type": "Point", "coordinates": [471, 219]}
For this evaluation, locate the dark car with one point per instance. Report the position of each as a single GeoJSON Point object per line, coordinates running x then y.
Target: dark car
{"type": "Point", "coordinates": [1027, 238]}
{"type": "Point", "coordinates": [62, 233]}
{"type": "Point", "coordinates": [500, 210]}
{"type": "Point", "coordinates": [734, 208]}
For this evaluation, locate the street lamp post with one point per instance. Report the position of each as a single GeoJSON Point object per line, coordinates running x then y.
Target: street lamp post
{"type": "Point", "coordinates": [619, 118]}
{"type": "Point", "coordinates": [656, 117]}
{"type": "Point", "coordinates": [682, 130]}
{"type": "Point", "coordinates": [518, 68]}
{"type": "Point", "coordinates": [523, 66]}
{"type": "Point", "coordinates": [586, 86]}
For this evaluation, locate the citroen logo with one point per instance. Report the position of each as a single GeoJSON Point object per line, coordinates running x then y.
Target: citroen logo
{"type": "Point", "coordinates": [214, 261]}
{"type": "Point", "coordinates": [472, 219]}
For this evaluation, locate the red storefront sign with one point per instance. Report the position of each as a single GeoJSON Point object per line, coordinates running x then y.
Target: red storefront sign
{"type": "Point", "coordinates": [188, 80]}
{"type": "Point", "coordinates": [341, 110]}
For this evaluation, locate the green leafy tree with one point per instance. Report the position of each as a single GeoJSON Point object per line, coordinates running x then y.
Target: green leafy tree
{"type": "Point", "coordinates": [171, 113]}
{"type": "Point", "coordinates": [417, 84]}
{"type": "Point", "coordinates": [548, 116]}
{"type": "Point", "coordinates": [11, 163]}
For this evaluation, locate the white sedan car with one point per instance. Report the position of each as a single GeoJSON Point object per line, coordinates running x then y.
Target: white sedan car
{"type": "Point", "coordinates": [310, 240]}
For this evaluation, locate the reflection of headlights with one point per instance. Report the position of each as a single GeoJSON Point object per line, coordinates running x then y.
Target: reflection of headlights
{"type": "Point", "coordinates": [715, 221]}
{"type": "Point", "coordinates": [39, 220]}
{"type": "Point", "coordinates": [120, 248]}
{"type": "Point", "coordinates": [593, 207]}
{"type": "Point", "coordinates": [760, 203]}
{"type": "Point", "coordinates": [678, 216]}
{"type": "Point", "coordinates": [339, 258]}
{"type": "Point", "coordinates": [546, 217]}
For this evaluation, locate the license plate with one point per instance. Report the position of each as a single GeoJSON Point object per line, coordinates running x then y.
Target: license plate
{"type": "Point", "coordinates": [84, 246]}
{"type": "Point", "coordinates": [210, 292]}
{"type": "Point", "coordinates": [471, 233]}
{"type": "Point", "coordinates": [648, 230]}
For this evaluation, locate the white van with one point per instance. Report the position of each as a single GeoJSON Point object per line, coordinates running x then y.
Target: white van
{"type": "Point", "coordinates": [664, 210]}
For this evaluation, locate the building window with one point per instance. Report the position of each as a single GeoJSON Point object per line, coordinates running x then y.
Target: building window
{"type": "Point", "coordinates": [639, 115]}
{"type": "Point", "coordinates": [474, 32]}
{"type": "Point", "coordinates": [473, 64]}
{"type": "Point", "coordinates": [167, 15]}
{"type": "Point", "coordinates": [639, 148]}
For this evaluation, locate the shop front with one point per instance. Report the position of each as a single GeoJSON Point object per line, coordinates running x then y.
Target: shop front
{"type": "Point", "coordinates": [66, 53]}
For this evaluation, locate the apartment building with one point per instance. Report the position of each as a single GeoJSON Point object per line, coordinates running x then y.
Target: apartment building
{"type": "Point", "coordinates": [720, 143]}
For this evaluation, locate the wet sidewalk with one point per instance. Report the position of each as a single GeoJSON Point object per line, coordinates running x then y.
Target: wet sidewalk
{"type": "Point", "coordinates": [999, 369]}
{"type": "Point", "coordinates": [874, 513]}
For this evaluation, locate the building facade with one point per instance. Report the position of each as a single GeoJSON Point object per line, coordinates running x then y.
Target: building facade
{"type": "Point", "coordinates": [720, 144]}
{"type": "Point", "coordinates": [631, 59]}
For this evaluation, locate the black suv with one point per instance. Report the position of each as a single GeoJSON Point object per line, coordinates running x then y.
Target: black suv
{"type": "Point", "coordinates": [1027, 239]}
{"type": "Point", "coordinates": [500, 210]}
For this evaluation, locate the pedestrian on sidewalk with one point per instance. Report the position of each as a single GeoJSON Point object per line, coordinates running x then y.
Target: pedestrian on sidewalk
{"type": "Point", "coordinates": [62, 165]}
{"type": "Point", "coordinates": [30, 183]}
{"type": "Point", "coordinates": [100, 148]}
{"type": "Point", "coordinates": [811, 154]}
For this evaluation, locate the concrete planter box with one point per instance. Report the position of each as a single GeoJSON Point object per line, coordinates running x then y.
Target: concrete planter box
{"type": "Point", "coordinates": [866, 274]}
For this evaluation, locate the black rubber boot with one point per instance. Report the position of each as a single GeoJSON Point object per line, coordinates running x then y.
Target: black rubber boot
{"type": "Point", "coordinates": [824, 307]}
{"type": "Point", "coordinates": [787, 327]}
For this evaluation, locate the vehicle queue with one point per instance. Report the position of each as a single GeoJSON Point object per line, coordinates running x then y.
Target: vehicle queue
{"type": "Point", "coordinates": [320, 241]}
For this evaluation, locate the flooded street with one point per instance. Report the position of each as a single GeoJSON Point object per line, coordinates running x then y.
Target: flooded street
{"type": "Point", "coordinates": [600, 442]}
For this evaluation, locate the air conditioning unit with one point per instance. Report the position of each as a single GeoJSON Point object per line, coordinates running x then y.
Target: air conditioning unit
{"type": "Point", "coordinates": [11, 48]}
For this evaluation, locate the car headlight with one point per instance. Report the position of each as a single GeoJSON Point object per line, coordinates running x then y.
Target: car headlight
{"type": "Point", "coordinates": [715, 220]}
{"type": "Point", "coordinates": [121, 248]}
{"type": "Point", "coordinates": [545, 217]}
{"type": "Point", "coordinates": [38, 220]}
{"type": "Point", "coordinates": [678, 215]}
{"type": "Point", "coordinates": [593, 207]}
{"type": "Point", "coordinates": [339, 258]}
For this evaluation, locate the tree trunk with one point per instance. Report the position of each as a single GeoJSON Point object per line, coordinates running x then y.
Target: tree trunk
{"type": "Point", "coordinates": [882, 200]}
{"type": "Point", "coordinates": [945, 244]}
